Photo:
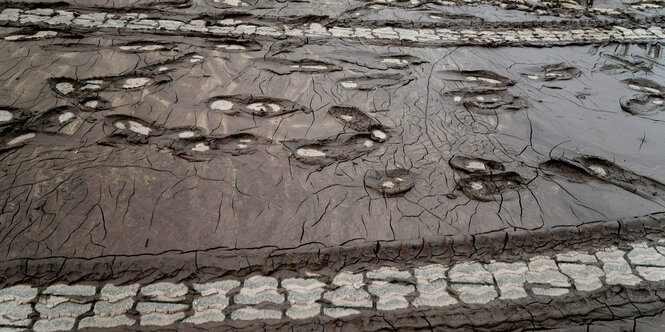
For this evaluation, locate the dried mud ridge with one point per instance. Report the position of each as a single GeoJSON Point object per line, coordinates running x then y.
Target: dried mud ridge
{"type": "Point", "coordinates": [435, 283]}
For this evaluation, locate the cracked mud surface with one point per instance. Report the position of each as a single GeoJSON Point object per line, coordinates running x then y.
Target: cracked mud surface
{"type": "Point", "coordinates": [139, 137]}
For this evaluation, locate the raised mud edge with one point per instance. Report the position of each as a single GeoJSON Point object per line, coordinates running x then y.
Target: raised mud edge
{"type": "Point", "coordinates": [208, 264]}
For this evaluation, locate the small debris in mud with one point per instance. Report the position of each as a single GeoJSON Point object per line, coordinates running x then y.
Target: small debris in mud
{"type": "Point", "coordinates": [475, 165]}
{"type": "Point", "coordinates": [390, 182]}
{"type": "Point", "coordinates": [642, 104]}
{"type": "Point", "coordinates": [491, 187]}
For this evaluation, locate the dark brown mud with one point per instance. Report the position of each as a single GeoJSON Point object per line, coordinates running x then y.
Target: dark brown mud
{"type": "Point", "coordinates": [189, 140]}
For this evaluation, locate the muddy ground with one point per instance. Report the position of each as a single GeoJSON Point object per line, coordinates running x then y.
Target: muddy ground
{"type": "Point", "coordinates": [125, 138]}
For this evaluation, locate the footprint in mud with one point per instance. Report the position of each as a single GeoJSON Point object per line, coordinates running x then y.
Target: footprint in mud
{"type": "Point", "coordinates": [86, 89]}
{"type": "Point", "coordinates": [625, 64]}
{"type": "Point", "coordinates": [72, 47]}
{"type": "Point", "coordinates": [262, 106]}
{"type": "Point", "coordinates": [647, 104]}
{"type": "Point", "coordinates": [186, 132]}
{"type": "Point", "coordinates": [390, 60]}
{"type": "Point", "coordinates": [93, 104]}
{"type": "Point", "coordinates": [475, 165]}
{"type": "Point", "coordinates": [328, 151]}
{"type": "Point", "coordinates": [150, 75]}
{"type": "Point", "coordinates": [478, 77]}
{"type": "Point", "coordinates": [10, 116]}
{"type": "Point", "coordinates": [227, 3]}
{"type": "Point", "coordinates": [130, 47]}
{"type": "Point", "coordinates": [29, 34]}
{"type": "Point", "coordinates": [390, 182]}
{"type": "Point", "coordinates": [399, 61]}
{"type": "Point", "coordinates": [583, 169]}
{"type": "Point", "coordinates": [487, 101]}
{"type": "Point", "coordinates": [286, 66]}
{"type": "Point", "coordinates": [555, 72]}
{"type": "Point", "coordinates": [129, 129]}
{"type": "Point", "coordinates": [374, 81]}
{"type": "Point", "coordinates": [566, 169]}
{"type": "Point", "coordinates": [491, 187]}
{"type": "Point", "coordinates": [644, 85]}
{"type": "Point", "coordinates": [229, 45]}
{"type": "Point", "coordinates": [63, 120]}
{"type": "Point", "coordinates": [201, 148]}
{"type": "Point", "coordinates": [12, 138]}
{"type": "Point", "coordinates": [142, 46]}
{"type": "Point", "coordinates": [70, 87]}
{"type": "Point", "coordinates": [358, 120]}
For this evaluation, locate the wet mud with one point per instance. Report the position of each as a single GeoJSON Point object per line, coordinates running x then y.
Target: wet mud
{"type": "Point", "coordinates": [189, 140]}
